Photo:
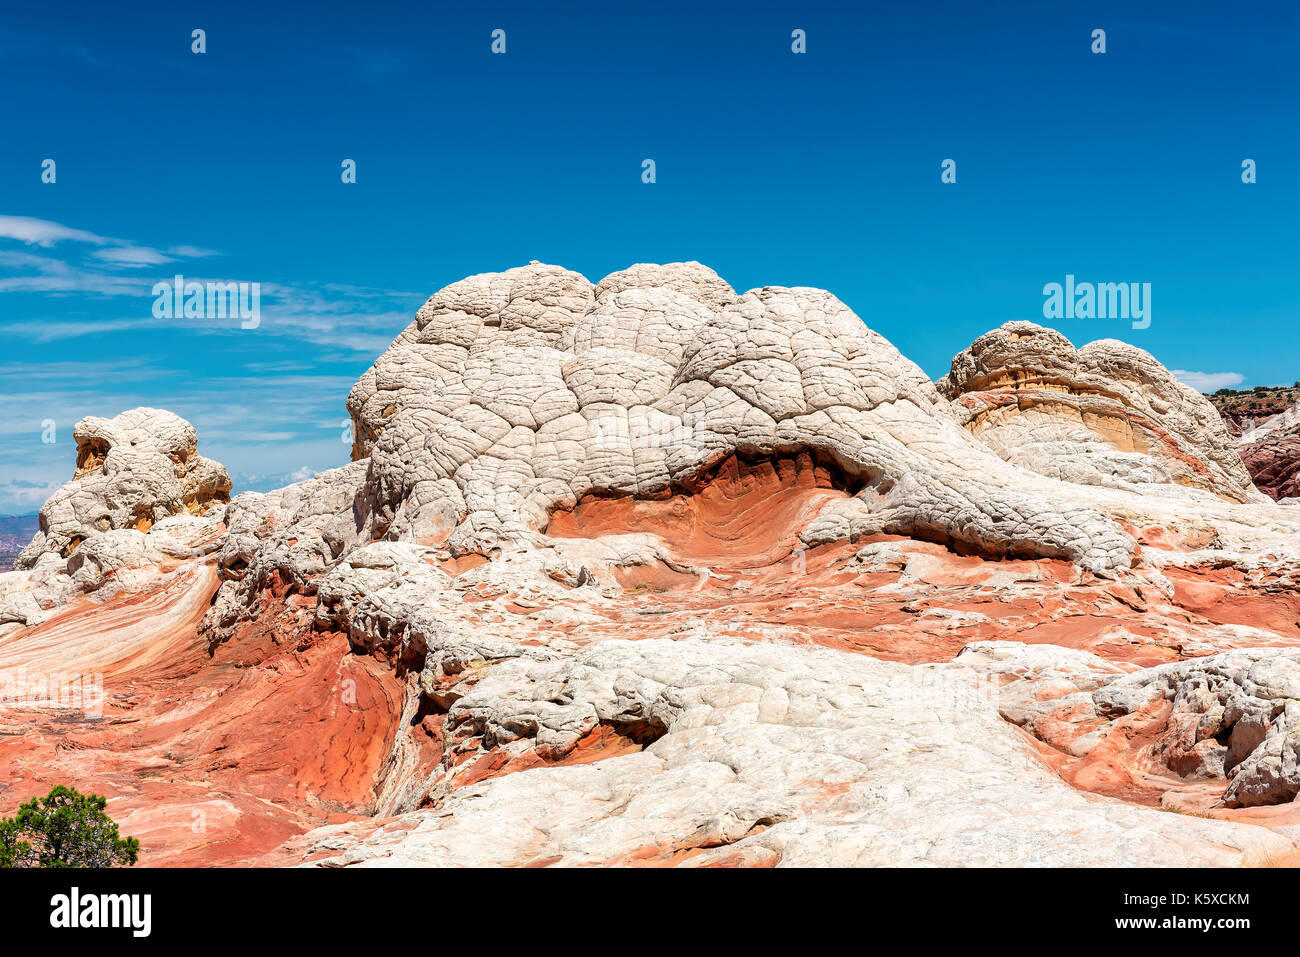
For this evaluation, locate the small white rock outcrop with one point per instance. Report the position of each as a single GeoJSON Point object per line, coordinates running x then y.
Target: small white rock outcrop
{"type": "Point", "coordinates": [133, 470]}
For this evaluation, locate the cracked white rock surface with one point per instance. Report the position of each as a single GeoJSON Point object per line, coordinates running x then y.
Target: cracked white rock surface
{"type": "Point", "coordinates": [132, 470]}
{"type": "Point", "coordinates": [773, 754]}
{"type": "Point", "coordinates": [493, 409]}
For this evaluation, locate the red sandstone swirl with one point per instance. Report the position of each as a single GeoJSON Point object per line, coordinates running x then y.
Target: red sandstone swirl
{"type": "Point", "coordinates": [740, 514]}
{"type": "Point", "coordinates": [205, 759]}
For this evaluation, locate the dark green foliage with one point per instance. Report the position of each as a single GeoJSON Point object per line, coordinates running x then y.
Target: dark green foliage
{"type": "Point", "coordinates": [64, 829]}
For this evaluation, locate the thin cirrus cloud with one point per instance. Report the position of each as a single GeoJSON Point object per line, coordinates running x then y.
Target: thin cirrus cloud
{"type": "Point", "coordinates": [42, 232]}
{"type": "Point", "coordinates": [46, 234]}
{"type": "Point", "coordinates": [41, 333]}
{"type": "Point", "coordinates": [64, 267]}
{"type": "Point", "coordinates": [145, 256]}
{"type": "Point", "coordinates": [132, 256]}
{"type": "Point", "coordinates": [26, 273]}
{"type": "Point", "coordinates": [56, 263]}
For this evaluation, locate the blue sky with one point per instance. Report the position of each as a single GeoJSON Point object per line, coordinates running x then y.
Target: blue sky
{"type": "Point", "coordinates": [774, 168]}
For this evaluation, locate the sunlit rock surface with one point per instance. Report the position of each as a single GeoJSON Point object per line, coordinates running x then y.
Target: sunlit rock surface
{"type": "Point", "coordinates": [1107, 414]}
{"type": "Point", "coordinates": [132, 470]}
{"type": "Point", "coordinates": [1272, 454]}
{"type": "Point", "coordinates": [652, 572]}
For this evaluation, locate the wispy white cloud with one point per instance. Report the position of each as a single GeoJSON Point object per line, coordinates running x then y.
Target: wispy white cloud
{"type": "Point", "coordinates": [46, 234]}
{"type": "Point", "coordinates": [41, 333]}
{"type": "Point", "coordinates": [1208, 381]}
{"type": "Point", "coordinates": [132, 256]}
{"type": "Point", "coordinates": [41, 232]}
{"type": "Point", "coordinates": [345, 319]}
{"type": "Point", "coordinates": [55, 277]}
{"type": "Point", "coordinates": [20, 497]}
{"type": "Point", "coordinates": [265, 482]}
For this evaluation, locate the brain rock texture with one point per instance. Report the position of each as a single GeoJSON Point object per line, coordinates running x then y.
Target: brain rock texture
{"type": "Point", "coordinates": [515, 394]}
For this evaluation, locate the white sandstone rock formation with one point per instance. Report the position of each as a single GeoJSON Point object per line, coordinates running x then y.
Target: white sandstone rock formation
{"type": "Point", "coordinates": [132, 470]}
{"type": "Point", "coordinates": [1232, 716]}
{"type": "Point", "coordinates": [1235, 714]}
{"type": "Point", "coordinates": [514, 394]}
{"type": "Point", "coordinates": [288, 537]}
{"type": "Point", "coordinates": [141, 502]}
{"type": "Point", "coordinates": [767, 754]}
{"type": "Point", "coordinates": [1107, 414]}
{"type": "Point", "coordinates": [517, 394]}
